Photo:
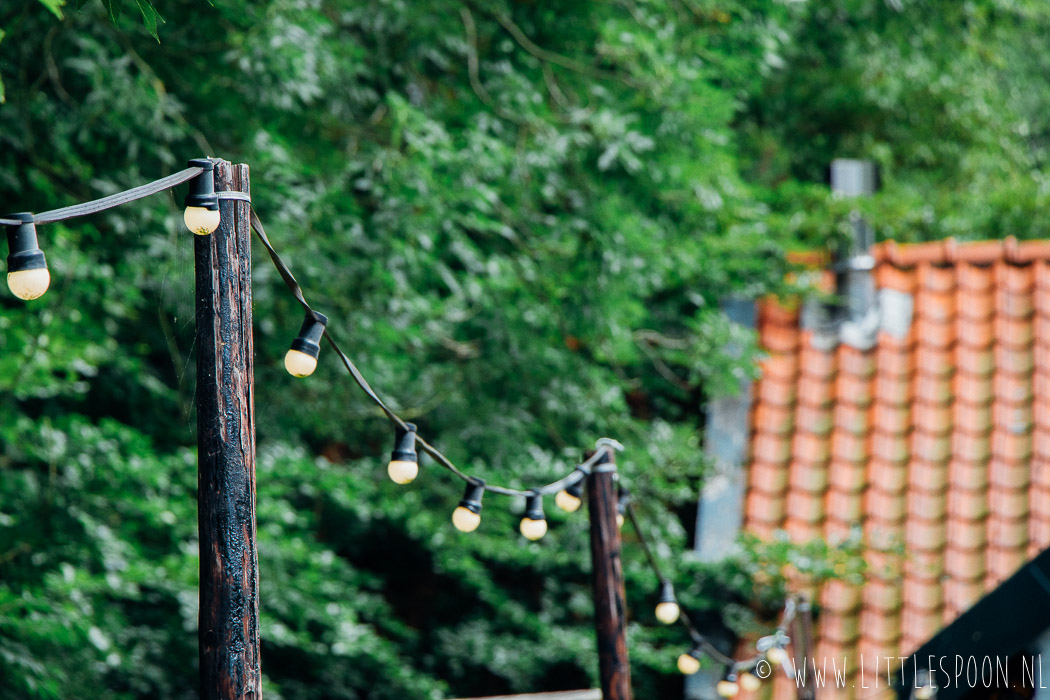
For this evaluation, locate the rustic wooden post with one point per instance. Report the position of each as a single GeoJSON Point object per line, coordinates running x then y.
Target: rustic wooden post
{"type": "Point", "coordinates": [229, 578]}
{"type": "Point", "coordinates": [609, 608]}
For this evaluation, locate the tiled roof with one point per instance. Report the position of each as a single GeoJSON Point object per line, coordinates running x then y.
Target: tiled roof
{"type": "Point", "coordinates": [936, 444]}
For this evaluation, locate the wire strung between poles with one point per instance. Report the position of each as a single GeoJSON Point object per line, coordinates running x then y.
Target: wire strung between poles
{"type": "Point", "coordinates": [576, 475]}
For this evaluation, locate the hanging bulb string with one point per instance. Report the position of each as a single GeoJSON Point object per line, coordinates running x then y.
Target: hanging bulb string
{"type": "Point", "coordinates": [791, 606]}
{"type": "Point", "coordinates": [578, 473]}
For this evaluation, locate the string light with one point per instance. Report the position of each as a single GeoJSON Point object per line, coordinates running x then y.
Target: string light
{"type": "Point", "coordinates": [689, 662]}
{"type": "Point", "coordinates": [404, 462]}
{"type": "Point", "coordinates": [202, 206]}
{"type": "Point", "coordinates": [749, 682]}
{"type": "Point", "coordinates": [534, 525]}
{"type": "Point", "coordinates": [667, 610]}
{"type": "Point", "coordinates": [29, 278]}
{"type": "Point", "coordinates": [570, 497]}
{"type": "Point", "coordinates": [301, 358]}
{"type": "Point", "coordinates": [467, 516]}
{"type": "Point", "coordinates": [27, 273]}
{"type": "Point", "coordinates": [728, 687]}
{"type": "Point", "coordinates": [776, 655]}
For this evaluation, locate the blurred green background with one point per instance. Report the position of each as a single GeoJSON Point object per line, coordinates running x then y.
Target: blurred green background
{"type": "Point", "coordinates": [521, 217]}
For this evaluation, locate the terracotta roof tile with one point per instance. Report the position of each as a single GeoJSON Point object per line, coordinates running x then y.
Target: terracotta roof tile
{"type": "Point", "coordinates": [967, 534]}
{"type": "Point", "coordinates": [891, 477]}
{"type": "Point", "coordinates": [975, 333]}
{"type": "Point", "coordinates": [964, 564]}
{"type": "Point", "coordinates": [935, 277]}
{"type": "Point", "coordinates": [969, 470]}
{"type": "Point", "coordinates": [847, 506]}
{"type": "Point", "coordinates": [935, 443]}
{"type": "Point", "coordinates": [851, 418]}
{"type": "Point", "coordinates": [850, 477]}
{"type": "Point", "coordinates": [779, 365]}
{"type": "Point", "coordinates": [768, 477]}
{"type": "Point", "coordinates": [814, 419]}
{"type": "Point", "coordinates": [966, 504]}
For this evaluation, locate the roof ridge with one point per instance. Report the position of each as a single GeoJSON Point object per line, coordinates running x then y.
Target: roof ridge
{"type": "Point", "coordinates": [949, 250]}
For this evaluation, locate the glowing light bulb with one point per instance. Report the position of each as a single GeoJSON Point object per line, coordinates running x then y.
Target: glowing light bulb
{"type": "Point", "coordinates": [404, 462]}
{"type": "Point", "coordinates": [688, 664]}
{"type": "Point", "coordinates": [467, 516]}
{"type": "Point", "coordinates": [465, 520]}
{"type": "Point", "coordinates": [667, 610]}
{"type": "Point", "coordinates": [202, 206]}
{"type": "Point", "coordinates": [776, 655]}
{"type": "Point", "coordinates": [667, 613]}
{"type": "Point", "coordinates": [402, 472]}
{"type": "Point", "coordinates": [925, 692]}
{"type": "Point", "coordinates": [29, 284]}
{"type": "Point", "coordinates": [619, 520]}
{"type": "Point", "coordinates": [727, 688]}
{"type": "Point", "coordinates": [534, 525]}
{"type": "Point", "coordinates": [749, 682]}
{"type": "Point", "coordinates": [569, 499]}
{"type": "Point", "coordinates": [533, 529]}
{"type": "Point", "coordinates": [301, 359]}
{"type": "Point", "coordinates": [201, 221]}
{"type": "Point", "coordinates": [299, 364]}
{"type": "Point", "coordinates": [27, 274]}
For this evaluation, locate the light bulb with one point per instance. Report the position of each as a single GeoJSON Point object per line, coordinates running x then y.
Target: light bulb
{"type": "Point", "coordinates": [465, 520]}
{"type": "Point", "coordinates": [688, 664]}
{"type": "Point", "coordinates": [402, 472]}
{"type": "Point", "coordinates": [467, 516]}
{"type": "Point", "coordinates": [749, 682]}
{"type": "Point", "coordinates": [727, 688]}
{"type": "Point", "coordinates": [201, 221]}
{"type": "Point", "coordinates": [667, 613]}
{"type": "Point", "coordinates": [299, 364]}
{"type": "Point", "coordinates": [567, 501]}
{"type": "Point", "coordinates": [533, 529]}
{"type": "Point", "coordinates": [404, 462]}
{"type": "Point", "coordinates": [534, 525]}
{"type": "Point", "coordinates": [27, 274]}
{"type": "Point", "coordinates": [667, 610]}
{"type": "Point", "coordinates": [29, 284]}
{"type": "Point", "coordinates": [301, 359]}
{"type": "Point", "coordinates": [202, 206]}
{"type": "Point", "coordinates": [776, 655]}
{"type": "Point", "coordinates": [925, 692]}
{"type": "Point", "coordinates": [619, 520]}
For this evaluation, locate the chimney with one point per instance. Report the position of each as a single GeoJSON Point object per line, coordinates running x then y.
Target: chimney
{"type": "Point", "coordinates": [858, 313]}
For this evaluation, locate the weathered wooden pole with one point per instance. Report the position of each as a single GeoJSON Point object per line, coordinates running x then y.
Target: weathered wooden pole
{"type": "Point", "coordinates": [229, 567]}
{"type": "Point", "coordinates": [609, 608]}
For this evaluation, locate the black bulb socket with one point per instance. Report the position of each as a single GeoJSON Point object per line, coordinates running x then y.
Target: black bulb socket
{"type": "Point", "coordinates": [308, 341]}
{"type": "Point", "coordinates": [202, 187]}
{"type": "Point", "coordinates": [575, 489]}
{"type": "Point", "coordinates": [666, 593]}
{"type": "Point", "coordinates": [472, 496]}
{"type": "Point", "coordinates": [534, 507]}
{"type": "Point", "coordinates": [23, 249]}
{"type": "Point", "coordinates": [405, 444]}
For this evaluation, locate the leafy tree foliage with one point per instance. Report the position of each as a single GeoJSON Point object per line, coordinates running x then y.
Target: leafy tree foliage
{"type": "Point", "coordinates": [522, 217]}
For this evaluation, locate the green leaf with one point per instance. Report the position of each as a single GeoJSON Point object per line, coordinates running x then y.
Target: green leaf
{"type": "Point", "coordinates": [55, 6]}
{"type": "Point", "coordinates": [150, 17]}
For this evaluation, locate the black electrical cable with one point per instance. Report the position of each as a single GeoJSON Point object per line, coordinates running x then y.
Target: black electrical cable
{"type": "Point", "coordinates": [578, 473]}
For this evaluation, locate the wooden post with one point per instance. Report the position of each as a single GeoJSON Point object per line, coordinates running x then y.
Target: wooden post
{"type": "Point", "coordinates": [229, 567]}
{"type": "Point", "coordinates": [609, 608]}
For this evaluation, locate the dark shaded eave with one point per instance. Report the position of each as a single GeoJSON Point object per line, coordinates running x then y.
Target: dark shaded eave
{"type": "Point", "coordinates": [1000, 624]}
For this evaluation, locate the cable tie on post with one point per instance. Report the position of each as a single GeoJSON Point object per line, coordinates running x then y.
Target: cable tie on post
{"type": "Point", "coordinates": [234, 194]}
